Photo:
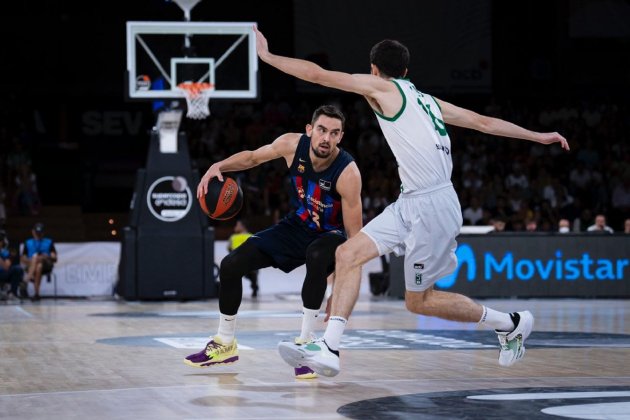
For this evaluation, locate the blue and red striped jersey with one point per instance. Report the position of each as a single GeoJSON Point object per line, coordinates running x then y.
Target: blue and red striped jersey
{"type": "Point", "coordinates": [314, 197]}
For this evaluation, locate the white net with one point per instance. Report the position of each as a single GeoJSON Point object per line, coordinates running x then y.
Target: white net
{"type": "Point", "coordinates": [197, 98]}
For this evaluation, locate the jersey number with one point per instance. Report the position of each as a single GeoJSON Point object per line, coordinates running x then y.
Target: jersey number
{"type": "Point", "coordinates": [314, 217]}
{"type": "Point", "coordinates": [438, 124]}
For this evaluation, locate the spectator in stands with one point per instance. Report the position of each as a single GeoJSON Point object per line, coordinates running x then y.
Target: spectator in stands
{"type": "Point", "coordinates": [517, 179]}
{"type": "Point", "coordinates": [564, 226]}
{"type": "Point", "coordinates": [580, 178]}
{"type": "Point", "coordinates": [3, 209]}
{"type": "Point", "coordinates": [600, 225]}
{"type": "Point", "coordinates": [502, 209]}
{"type": "Point", "coordinates": [376, 200]}
{"type": "Point", "coordinates": [531, 225]}
{"type": "Point", "coordinates": [498, 224]}
{"type": "Point", "coordinates": [472, 181]}
{"type": "Point", "coordinates": [545, 212]}
{"type": "Point", "coordinates": [473, 213]}
{"type": "Point", "coordinates": [240, 235]}
{"type": "Point", "coordinates": [626, 226]}
{"type": "Point", "coordinates": [38, 256]}
{"type": "Point", "coordinates": [557, 194]}
{"type": "Point", "coordinates": [11, 273]}
{"type": "Point", "coordinates": [588, 153]}
{"type": "Point", "coordinates": [517, 225]}
{"type": "Point", "coordinates": [26, 198]}
{"type": "Point", "coordinates": [621, 198]}
{"type": "Point", "coordinates": [17, 158]}
{"type": "Point", "coordinates": [252, 184]}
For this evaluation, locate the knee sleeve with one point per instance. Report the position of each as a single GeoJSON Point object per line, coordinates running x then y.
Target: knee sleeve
{"type": "Point", "coordinates": [320, 262]}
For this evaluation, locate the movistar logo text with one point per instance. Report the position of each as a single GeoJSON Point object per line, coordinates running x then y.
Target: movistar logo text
{"type": "Point", "coordinates": [557, 267]}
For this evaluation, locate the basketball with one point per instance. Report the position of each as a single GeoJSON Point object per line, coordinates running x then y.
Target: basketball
{"type": "Point", "coordinates": [223, 199]}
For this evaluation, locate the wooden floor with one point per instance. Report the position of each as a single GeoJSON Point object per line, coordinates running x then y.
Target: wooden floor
{"type": "Point", "coordinates": [69, 359]}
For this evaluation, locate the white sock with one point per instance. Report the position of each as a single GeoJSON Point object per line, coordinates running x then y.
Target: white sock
{"type": "Point", "coordinates": [334, 331]}
{"type": "Point", "coordinates": [227, 326]}
{"type": "Point", "coordinates": [496, 320]}
{"type": "Point", "coordinates": [309, 318]}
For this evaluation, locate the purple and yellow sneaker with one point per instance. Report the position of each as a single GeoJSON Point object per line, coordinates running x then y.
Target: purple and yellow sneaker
{"type": "Point", "coordinates": [305, 372]}
{"type": "Point", "coordinates": [215, 353]}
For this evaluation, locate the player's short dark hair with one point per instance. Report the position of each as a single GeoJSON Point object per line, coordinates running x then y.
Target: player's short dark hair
{"type": "Point", "coordinates": [391, 57]}
{"type": "Point", "coordinates": [330, 111]}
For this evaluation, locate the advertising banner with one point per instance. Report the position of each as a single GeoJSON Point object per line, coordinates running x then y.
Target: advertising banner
{"type": "Point", "coordinates": [507, 265]}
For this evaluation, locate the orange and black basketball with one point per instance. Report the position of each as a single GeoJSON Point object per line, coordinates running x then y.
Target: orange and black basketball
{"type": "Point", "coordinates": [223, 199]}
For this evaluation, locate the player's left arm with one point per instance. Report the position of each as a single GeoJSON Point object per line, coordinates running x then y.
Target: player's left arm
{"type": "Point", "coordinates": [462, 117]}
{"type": "Point", "coordinates": [349, 187]}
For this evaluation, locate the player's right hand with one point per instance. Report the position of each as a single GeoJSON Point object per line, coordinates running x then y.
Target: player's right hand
{"type": "Point", "coordinates": [550, 138]}
{"type": "Point", "coordinates": [212, 172]}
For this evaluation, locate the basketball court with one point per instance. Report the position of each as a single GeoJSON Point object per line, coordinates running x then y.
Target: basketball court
{"type": "Point", "coordinates": [89, 359]}
{"type": "Point", "coordinates": [123, 358]}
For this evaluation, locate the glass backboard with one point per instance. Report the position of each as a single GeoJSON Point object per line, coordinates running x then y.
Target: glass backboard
{"type": "Point", "coordinates": [161, 55]}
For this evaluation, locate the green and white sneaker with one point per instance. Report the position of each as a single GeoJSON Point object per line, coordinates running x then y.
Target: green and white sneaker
{"type": "Point", "coordinates": [314, 354]}
{"type": "Point", "coordinates": [513, 342]}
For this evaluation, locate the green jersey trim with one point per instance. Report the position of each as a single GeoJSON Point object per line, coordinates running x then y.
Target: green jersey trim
{"type": "Point", "coordinates": [402, 108]}
{"type": "Point", "coordinates": [437, 103]}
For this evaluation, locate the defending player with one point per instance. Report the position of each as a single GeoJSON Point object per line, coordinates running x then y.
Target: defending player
{"type": "Point", "coordinates": [425, 220]}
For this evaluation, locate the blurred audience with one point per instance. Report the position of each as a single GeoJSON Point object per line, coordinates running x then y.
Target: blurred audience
{"type": "Point", "coordinates": [564, 226]}
{"type": "Point", "coordinates": [26, 196]}
{"type": "Point", "coordinates": [531, 225]}
{"type": "Point", "coordinates": [11, 272]}
{"type": "Point", "coordinates": [3, 209]}
{"type": "Point", "coordinates": [514, 181]}
{"type": "Point", "coordinates": [600, 225]}
{"type": "Point", "coordinates": [498, 225]}
{"type": "Point", "coordinates": [473, 214]}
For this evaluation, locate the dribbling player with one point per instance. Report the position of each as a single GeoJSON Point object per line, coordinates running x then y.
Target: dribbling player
{"type": "Point", "coordinates": [326, 201]}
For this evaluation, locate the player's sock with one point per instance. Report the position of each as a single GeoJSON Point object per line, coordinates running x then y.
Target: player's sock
{"type": "Point", "coordinates": [500, 321]}
{"type": "Point", "coordinates": [309, 318]}
{"type": "Point", "coordinates": [227, 327]}
{"type": "Point", "coordinates": [334, 331]}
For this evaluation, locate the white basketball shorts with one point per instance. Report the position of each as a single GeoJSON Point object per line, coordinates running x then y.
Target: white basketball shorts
{"type": "Point", "coordinates": [422, 226]}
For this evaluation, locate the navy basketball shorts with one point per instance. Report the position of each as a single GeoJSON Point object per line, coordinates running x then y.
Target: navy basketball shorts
{"type": "Point", "coordinates": [286, 243]}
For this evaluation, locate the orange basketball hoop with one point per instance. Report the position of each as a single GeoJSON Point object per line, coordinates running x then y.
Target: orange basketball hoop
{"type": "Point", "coordinates": [197, 97]}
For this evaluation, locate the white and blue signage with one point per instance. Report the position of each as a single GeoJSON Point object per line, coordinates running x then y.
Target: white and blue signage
{"type": "Point", "coordinates": [537, 266]}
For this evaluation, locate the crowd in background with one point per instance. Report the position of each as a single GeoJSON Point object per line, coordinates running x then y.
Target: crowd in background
{"type": "Point", "coordinates": [524, 185]}
{"type": "Point", "coordinates": [518, 183]}
{"type": "Point", "coordinates": [18, 183]}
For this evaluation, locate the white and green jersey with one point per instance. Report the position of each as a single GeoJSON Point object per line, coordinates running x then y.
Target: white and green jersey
{"type": "Point", "coordinates": [418, 138]}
